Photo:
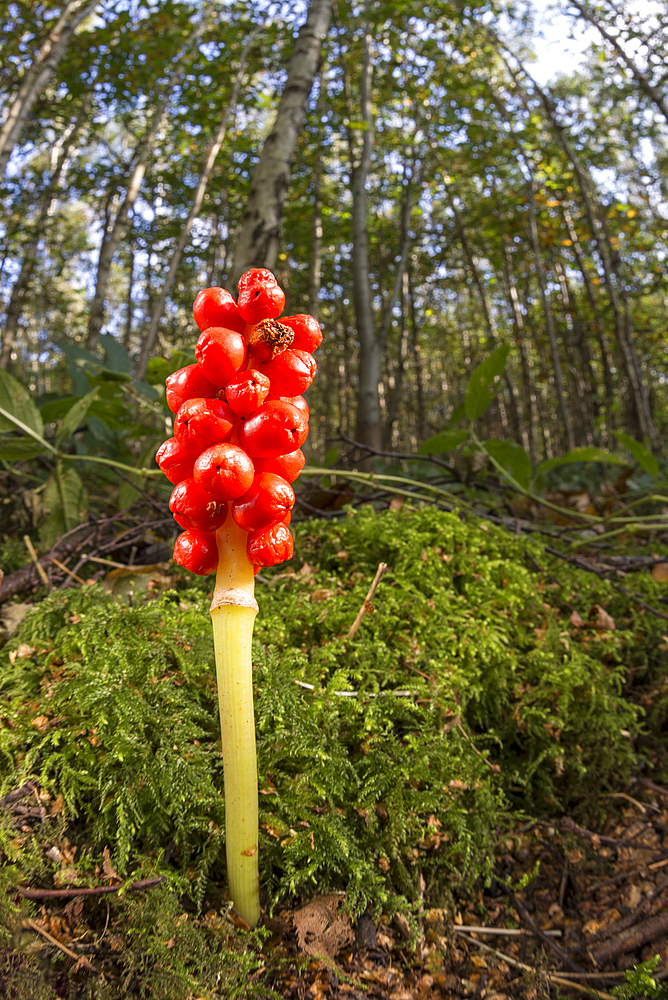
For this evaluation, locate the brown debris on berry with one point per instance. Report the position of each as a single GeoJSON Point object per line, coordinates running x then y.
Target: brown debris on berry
{"type": "Point", "coordinates": [268, 339]}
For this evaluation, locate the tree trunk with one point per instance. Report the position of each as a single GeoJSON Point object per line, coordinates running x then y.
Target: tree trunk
{"type": "Point", "coordinates": [17, 298]}
{"type": "Point", "coordinates": [259, 238]}
{"type": "Point", "coordinates": [530, 435]}
{"type": "Point", "coordinates": [642, 414]}
{"type": "Point", "coordinates": [642, 79]}
{"type": "Point", "coordinates": [159, 307]}
{"type": "Point", "coordinates": [39, 73]}
{"type": "Point", "coordinates": [142, 153]}
{"type": "Point", "coordinates": [370, 353]}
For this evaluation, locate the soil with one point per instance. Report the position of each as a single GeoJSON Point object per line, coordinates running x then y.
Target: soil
{"type": "Point", "coordinates": [567, 910]}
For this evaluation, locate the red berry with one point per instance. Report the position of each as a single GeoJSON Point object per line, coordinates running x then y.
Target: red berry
{"type": "Point", "coordinates": [269, 546]}
{"type": "Point", "coordinates": [197, 551]}
{"type": "Point", "coordinates": [216, 307]}
{"type": "Point", "coordinates": [287, 466]}
{"type": "Point", "coordinates": [267, 502]}
{"type": "Point", "coordinates": [220, 353]}
{"type": "Point", "coordinates": [203, 422]}
{"type": "Point", "coordinates": [290, 372]}
{"type": "Point", "coordinates": [260, 296]}
{"type": "Point", "coordinates": [308, 335]}
{"type": "Point", "coordinates": [247, 391]}
{"type": "Point", "coordinates": [195, 509]}
{"type": "Point", "coordinates": [225, 471]}
{"type": "Point", "coordinates": [300, 403]}
{"type": "Point", "coordinates": [175, 461]}
{"type": "Point", "coordinates": [187, 383]}
{"type": "Point", "coordinates": [277, 428]}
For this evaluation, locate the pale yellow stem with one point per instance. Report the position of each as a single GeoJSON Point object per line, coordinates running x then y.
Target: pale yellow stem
{"type": "Point", "coordinates": [233, 611]}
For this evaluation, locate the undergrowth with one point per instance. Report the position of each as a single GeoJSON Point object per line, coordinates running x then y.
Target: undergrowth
{"type": "Point", "coordinates": [388, 761]}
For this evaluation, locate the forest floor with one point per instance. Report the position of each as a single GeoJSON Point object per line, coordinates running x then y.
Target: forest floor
{"type": "Point", "coordinates": [576, 890]}
{"type": "Point", "coordinates": [594, 906]}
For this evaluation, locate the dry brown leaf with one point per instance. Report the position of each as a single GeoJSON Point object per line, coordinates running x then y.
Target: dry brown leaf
{"type": "Point", "coordinates": [397, 503]}
{"type": "Point", "coordinates": [108, 868]}
{"type": "Point", "coordinates": [576, 620]}
{"type": "Point", "coordinates": [660, 572]}
{"type": "Point", "coordinates": [41, 723]}
{"type": "Point", "coordinates": [322, 928]}
{"type": "Point", "coordinates": [600, 619]}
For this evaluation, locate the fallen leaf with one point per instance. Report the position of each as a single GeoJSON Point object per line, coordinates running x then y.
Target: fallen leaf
{"type": "Point", "coordinates": [322, 928]}
{"type": "Point", "coordinates": [41, 723]}
{"type": "Point", "coordinates": [108, 868]}
{"type": "Point", "coordinates": [576, 620]}
{"type": "Point", "coordinates": [600, 619]}
{"type": "Point", "coordinates": [660, 572]}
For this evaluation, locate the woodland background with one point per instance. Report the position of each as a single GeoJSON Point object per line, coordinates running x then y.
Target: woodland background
{"type": "Point", "coordinates": [405, 176]}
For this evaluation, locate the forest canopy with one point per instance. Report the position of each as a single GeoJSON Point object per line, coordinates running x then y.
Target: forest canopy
{"type": "Point", "coordinates": [432, 202]}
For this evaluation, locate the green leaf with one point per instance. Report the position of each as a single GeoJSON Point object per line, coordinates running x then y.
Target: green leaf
{"type": "Point", "coordinates": [115, 355]}
{"type": "Point", "coordinates": [590, 454]}
{"type": "Point", "coordinates": [74, 416]}
{"type": "Point", "coordinates": [443, 441]}
{"type": "Point", "coordinates": [512, 457]}
{"type": "Point", "coordinates": [481, 389]}
{"type": "Point", "coordinates": [15, 449]}
{"type": "Point", "coordinates": [17, 402]}
{"type": "Point", "coordinates": [157, 370]}
{"type": "Point", "coordinates": [643, 457]}
{"type": "Point", "coordinates": [65, 503]}
{"type": "Point", "coordinates": [55, 409]}
{"type": "Point", "coordinates": [456, 417]}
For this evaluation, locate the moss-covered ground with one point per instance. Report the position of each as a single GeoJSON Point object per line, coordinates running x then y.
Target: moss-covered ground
{"type": "Point", "coordinates": [485, 683]}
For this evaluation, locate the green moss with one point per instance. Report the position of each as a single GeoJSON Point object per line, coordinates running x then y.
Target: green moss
{"type": "Point", "coordinates": [471, 694]}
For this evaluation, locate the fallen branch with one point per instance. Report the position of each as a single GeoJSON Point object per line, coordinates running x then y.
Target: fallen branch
{"type": "Point", "coordinates": [559, 980]}
{"type": "Point", "coordinates": [631, 939]}
{"type": "Point", "coordinates": [366, 605]}
{"type": "Point", "coordinates": [540, 934]}
{"type": "Point", "coordinates": [80, 959]}
{"type": "Point", "coordinates": [100, 890]}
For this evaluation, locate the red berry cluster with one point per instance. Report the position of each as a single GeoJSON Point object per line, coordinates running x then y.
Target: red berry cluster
{"type": "Point", "coordinates": [240, 423]}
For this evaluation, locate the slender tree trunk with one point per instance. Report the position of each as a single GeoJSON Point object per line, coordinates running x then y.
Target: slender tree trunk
{"type": "Point", "coordinates": [142, 154]}
{"type": "Point", "coordinates": [259, 238]}
{"type": "Point", "coordinates": [370, 353]}
{"type": "Point", "coordinates": [315, 266]}
{"type": "Point", "coordinates": [549, 317]}
{"type": "Point", "coordinates": [641, 78]}
{"type": "Point", "coordinates": [582, 375]}
{"type": "Point", "coordinates": [39, 73]}
{"type": "Point", "coordinates": [394, 393]}
{"type": "Point", "coordinates": [642, 414]}
{"type": "Point", "coordinates": [420, 415]}
{"type": "Point", "coordinates": [530, 433]}
{"type": "Point", "coordinates": [20, 287]}
{"type": "Point", "coordinates": [159, 307]}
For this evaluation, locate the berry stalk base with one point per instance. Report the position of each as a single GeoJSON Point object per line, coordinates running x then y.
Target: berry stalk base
{"type": "Point", "coordinates": [233, 611]}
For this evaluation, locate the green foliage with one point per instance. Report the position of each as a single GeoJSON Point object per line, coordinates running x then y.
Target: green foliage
{"type": "Point", "coordinates": [482, 385]}
{"type": "Point", "coordinates": [641, 983]}
{"type": "Point", "coordinates": [384, 757]}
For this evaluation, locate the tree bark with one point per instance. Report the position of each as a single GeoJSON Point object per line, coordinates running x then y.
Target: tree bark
{"type": "Point", "coordinates": [113, 237]}
{"type": "Point", "coordinates": [642, 414]}
{"type": "Point", "coordinates": [159, 307]}
{"type": "Point", "coordinates": [641, 78]}
{"type": "Point", "coordinates": [530, 435]}
{"type": "Point", "coordinates": [20, 287]}
{"type": "Point", "coordinates": [370, 353]}
{"type": "Point", "coordinates": [38, 74]}
{"type": "Point", "coordinates": [259, 239]}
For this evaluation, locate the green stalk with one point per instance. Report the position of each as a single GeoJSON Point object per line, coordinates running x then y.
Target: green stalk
{"type": "Point", "coordinates": [233, 612]}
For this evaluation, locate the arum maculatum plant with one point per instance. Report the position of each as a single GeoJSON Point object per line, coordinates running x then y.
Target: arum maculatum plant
{"type": "Point", "coordinates": [239, 424]}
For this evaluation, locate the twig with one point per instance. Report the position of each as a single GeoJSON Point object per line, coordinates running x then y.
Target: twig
{"type": "Point", "coordinates": [366, 604]}
{"type": "Point", "coordinates": [38, 566]}
{"type": "Point", "coordinates": [646, 783]}
{"type": "Point", "coordinates": [549, 975]}
{"type": "Point", "coordinates": [100, 890]}
{"type": "Point", "coordinates": [540, 934]}
{"type": "Point", "coordinates": [500, 931]}
{"type": "Point", "coordinates": [28, 922]}
{"type": "Point", "coordinates": [18, 793]}
{"type": "Point", "coordinates": [69, 572]}
{"type": "Point", "coordinates": [108, 562]}
{"type": "Point", "coordinates": [599, 838]}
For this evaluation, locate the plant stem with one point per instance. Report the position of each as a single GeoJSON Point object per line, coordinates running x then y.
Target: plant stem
{"type": "Point", "coordinates": [233, 611]}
